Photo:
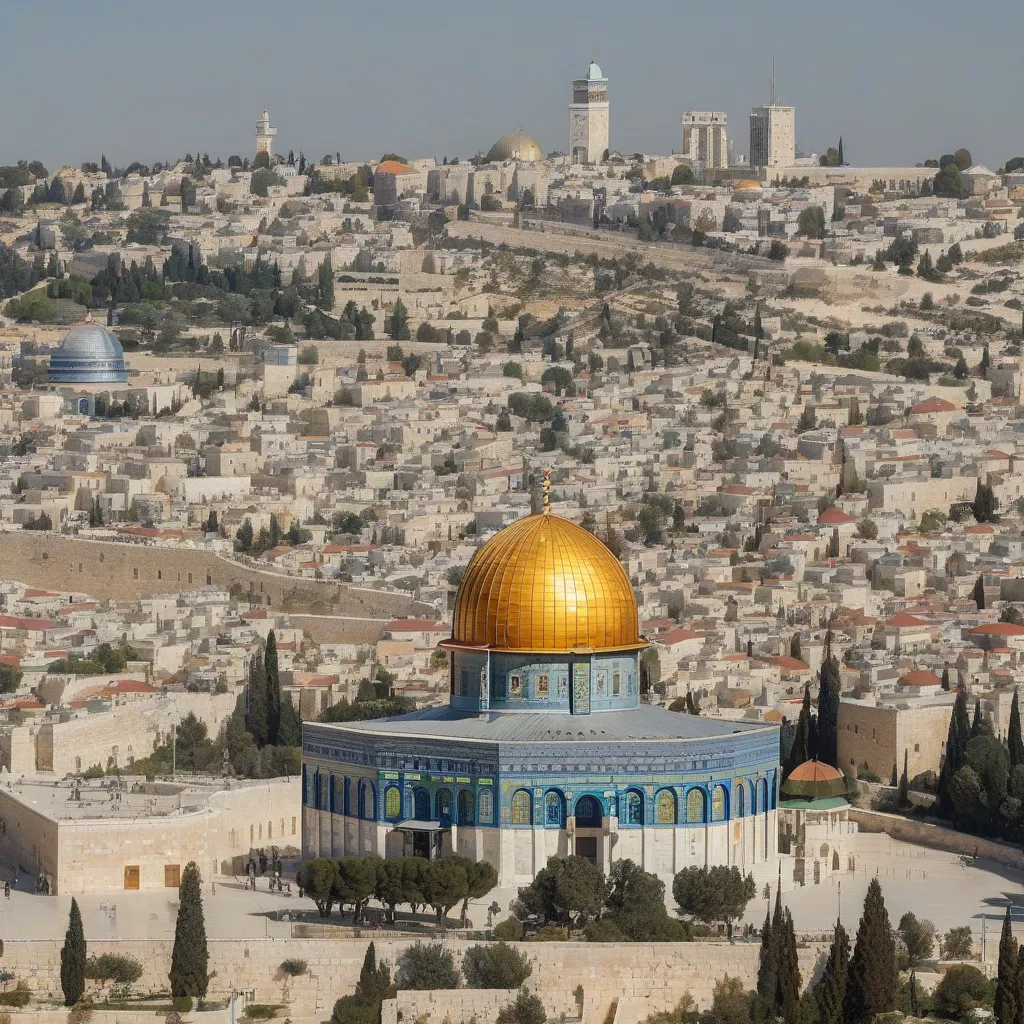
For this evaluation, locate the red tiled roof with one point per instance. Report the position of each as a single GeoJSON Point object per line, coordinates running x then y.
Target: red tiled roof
{"type": "Point", "coordinates": [903, 620]}
{"type": "Point", "coordinates": [997, 629]}
{"type": "Point", "coordinates": [920, 678]}
{"type": "Point", "coordinates": [834, 517]}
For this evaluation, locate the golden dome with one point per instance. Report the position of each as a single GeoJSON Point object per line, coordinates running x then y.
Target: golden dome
{"type": "Point", "coordinates": [545, 584]}
{"type": "Point", "coordinates": [747, 183]}
{"type": "Point", "coordinates": [515, 145]}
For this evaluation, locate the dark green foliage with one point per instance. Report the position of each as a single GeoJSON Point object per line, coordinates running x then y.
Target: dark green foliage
{"type": "Point", "coordinates": [373, 987]}
{"type": "Point", "coordinates": [325, 284]}
{"type": "Point", "coordinates": [830, 992]}
{"type": "Point", "coordinates": [273, 684]}
{"type": "Point", "coordinates": [124, 970]}
{"type": "Point", "coordinates": [189, 957]}
{"type": "Point", "coordinates": [979, 593]}
{"type": "Point", "coordinates": [828, 710]}
{"type": "Point", "coordinates": [800, 751]}
{"type": "Point", "coordinates": [320, 881]}
{"type": "Point", "coordinates": [1007, 996]}
{"type": "Point", "coordinates": [427, 966]}
{"type": "Point", "coordinates": [873, 979]}
{"type": "Point", "coordinates": [73, 958]}
{"type": "Point", "coordinates": [527, 1009]}
{"type": "Point", "coordinates": [963, 989]}
{"type": "Point", "coordinates": [1014, 741]}
{"type": "Point", "coordinates": [367, 710]}
{"type": "Point", "coordinates": [635, 905]}
{"type": "Point", "coordinates": [768, 960]}
{"type": "Point", "coordinates": [917, 938]}
{"type": "Point", "coordinates": [956, 751]}
{"type": "Point", "coordinates": [357, 880]}
{"type": "Point", "coordinates": [985, 502]}
{"type": "Point", "coordinates": [717, 893]}
{"type": "Point", "coordinates": [256, 702]}
{"type": "Point", "coordinates": [509, 930]}
{"type": "Point", "coordinates": [495, 965]}
{"type": "Point", "coordinates": [568, 891]}
{"type": "Point", "coordinates": [789, 987]}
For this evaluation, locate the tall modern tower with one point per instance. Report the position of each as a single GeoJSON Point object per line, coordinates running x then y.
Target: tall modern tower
{"type": "Point", "coordinates": [264, 134]}
{"type": "Point", "coordinates": [704, 138]}
{"type": "Point", "coordinates": [588, 118]}
{"type": "Point", "coordinates": [772, 133]}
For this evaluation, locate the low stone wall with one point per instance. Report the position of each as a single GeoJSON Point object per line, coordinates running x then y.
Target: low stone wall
{"type": "Point", "coordinates": [938, 837]}
{"type": "Point", "coordinates": [28, 1015]}
{"type": "Point", "coordinates": [657, 975]}
{"type": "Point", "coordinates": [464, 1004]}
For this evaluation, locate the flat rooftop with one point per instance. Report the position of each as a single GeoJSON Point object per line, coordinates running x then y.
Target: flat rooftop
{"type": "Point", "coordinates": [111, 798]}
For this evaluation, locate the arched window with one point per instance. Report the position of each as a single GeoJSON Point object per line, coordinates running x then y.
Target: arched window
{"type": "Point", "coordinates": [665, 808]}
{"type": "Point", "coordinates": [323, 791]}
{"type": "Point", "coordinates": [588, 812]}
{"type": "Point", "coordinates": [392, 802]}
{"type": "Point", "coordinates": [443, 805]}
{"type": "Point", "coordinates": [339, 795]}
{"type": "Point", "coordinates": [307, 792]}
{"type": "Point", "coordinates": [696, 809]}
{"type": "Point", "coordinates": [762, 803]}
{"type": "Point", "coordinates": [486, 807]}
{"type": "Point", "coordinates": [741, 799]}
{"type": "Point", "coordinates": [719, 804]}
{"type": "Point", "coordinates": [421, 805]}
{"type": "Point", "coordinates": [522, 808]}
{"type": "Point", "coordinates": [330, 793]}
{"type": "Point", "coordinates": [634, 808]}
{"type": "Point", "coordinates": [466, 803]}
{"type": "Point", "coordinates": [554, 809]}
{"type": "Point", "coordinates": [369, 802]}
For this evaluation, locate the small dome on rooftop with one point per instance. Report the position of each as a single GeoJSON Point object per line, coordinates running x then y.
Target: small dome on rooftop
{"type": "Point", "coordinates": [89, 354]}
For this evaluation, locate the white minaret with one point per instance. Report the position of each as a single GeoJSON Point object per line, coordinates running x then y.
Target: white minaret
{"type": "Point", "coordinates": [264, 135]}
{"type": "Point", "coordinates": [588, 118]}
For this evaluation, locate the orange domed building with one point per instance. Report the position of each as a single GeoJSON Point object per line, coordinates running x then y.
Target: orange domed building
{"type": "Point", "coordinates": [544, 746]}
{"type": "Point", "coordinates": [816, 835]}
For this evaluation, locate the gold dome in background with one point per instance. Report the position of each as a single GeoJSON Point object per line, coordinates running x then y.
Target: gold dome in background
{"type": "Point", "coordinates": [515, 145]}
{"type": "Point", "coordinates": [545, 584]}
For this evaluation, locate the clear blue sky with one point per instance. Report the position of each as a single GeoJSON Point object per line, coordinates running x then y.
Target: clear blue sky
{"type": "Point", "coordinates": [149, 81]}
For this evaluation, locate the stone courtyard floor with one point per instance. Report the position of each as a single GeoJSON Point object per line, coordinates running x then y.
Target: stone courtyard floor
{"type": "Point", "coordinates": [933, 884]}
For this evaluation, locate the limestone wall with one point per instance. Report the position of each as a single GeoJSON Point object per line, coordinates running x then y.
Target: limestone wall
{"type": "Point", "coordinates": [92, 855]}
{"type": "Point", "coordinates": [117, 571]}
{"type": "Point", "coordinates": [653, 975]}
{"type": "Point", "coordinates": [938, 837]}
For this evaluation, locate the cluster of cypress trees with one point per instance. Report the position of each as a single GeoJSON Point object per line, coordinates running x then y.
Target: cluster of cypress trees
{"type": "Point", "coordinates": [778, 970]}
{"type": "Point", "coordinates": [851, 988]}
{"type": "Point", "coordinates": [270, 721]}
{"type": "Point", "coordinates": [817, 736]}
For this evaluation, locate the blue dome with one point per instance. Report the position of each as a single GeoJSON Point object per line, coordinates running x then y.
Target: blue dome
{"type": "Point", "coordinates": [89, 354]}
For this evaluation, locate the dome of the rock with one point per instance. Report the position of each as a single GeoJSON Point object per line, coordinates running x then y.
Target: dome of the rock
{"type": "Point", "coordinates": [545, 584]}
{"type": "Point", "coordinates": [516, 145]}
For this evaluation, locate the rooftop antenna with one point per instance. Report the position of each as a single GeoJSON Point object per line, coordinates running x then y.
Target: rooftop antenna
{"type": "Point", "coordinates": [772, 102]}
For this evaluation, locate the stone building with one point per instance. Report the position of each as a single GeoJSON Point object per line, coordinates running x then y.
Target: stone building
{"type": "Point", "coordinates": [545, 746]}
{"type": "Point", "coordinates": [114, 834]}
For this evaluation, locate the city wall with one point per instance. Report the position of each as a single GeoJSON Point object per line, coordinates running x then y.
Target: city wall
{"type": "Point", "coordinates": [121, 571]}
{"type": "Point", "coordinates": [937, 837]}
{"type": "Point", "coordinates": [656, 975]}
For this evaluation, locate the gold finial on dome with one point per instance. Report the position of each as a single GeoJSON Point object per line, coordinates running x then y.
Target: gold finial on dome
{"type": "Point", "coordinates": [547, 491]}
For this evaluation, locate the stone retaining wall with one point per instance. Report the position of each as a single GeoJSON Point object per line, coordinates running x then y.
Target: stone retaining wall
{"type": "Point", "coordinates": [657, 975]}
{"type": "Point", "coordinates": [938, 837]}
{"type": "Point", "coordinates": [124, 571]}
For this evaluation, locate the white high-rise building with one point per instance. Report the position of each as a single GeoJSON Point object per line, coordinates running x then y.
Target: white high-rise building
{"type": "Point", "coordinates": [772, 133]}
{"type": "Point", "coordinates": [265, 135]}
{"type": "Point", "coordinates": [588, 118]}
{"type": "Point", "coordinates": [704, 138]}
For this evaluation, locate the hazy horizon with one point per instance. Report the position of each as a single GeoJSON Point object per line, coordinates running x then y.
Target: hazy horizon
{"type": "Point", "coordinates": [449, 80]}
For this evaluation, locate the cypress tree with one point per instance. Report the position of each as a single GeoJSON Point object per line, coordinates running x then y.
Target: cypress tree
{"type": "Point", "coordinates": [956, 749]}
{"type": "Point", "coordinates": [1014, 740]}
{"type": "Point", "coordinates": [1006, 999]}
{"type": "Point", "coordinates": [273, 677]}
{"type": "Point", "coordinates": [979, 593]}
{"type": "Point", "coordinates": [904, 793]}
{"type": "Point", "coordinates": [189, 957]}
{"type": "Point", "coordinates": [788, 984]}
{"type": "Point", "coordinates": [873, 978]}
{"type": "Point", "coordinates": [978, 724]}
{"type": "Point", "coordinates": [290, 732]}
{"type": "Point", "coordinates": [800, 750]}
{"type": "Point", "coordinates": [830, 993]}
{"type": "Point", "coordinates": [256, 702]}
{"type": "Point", "coordinates": [842, 161]}
{"type": "Point", "coordinates": [72, 958]}
{"type": "Point", "coordinates": [945, 678]}
{"type": "Point", "coordinates": [828, 707]}
{"type": "Point", "coordinates": [794, 647]}
{"type": "Point", "coordinates": [767, 961]}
